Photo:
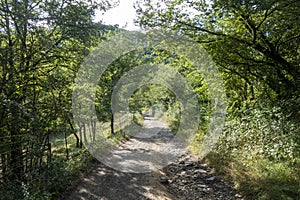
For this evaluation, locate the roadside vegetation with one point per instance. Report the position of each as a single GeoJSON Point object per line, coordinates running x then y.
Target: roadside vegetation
{"type": "Point", "coordinates": [254, 44]}
{"type": "Point", "coordinates": [259, 153]}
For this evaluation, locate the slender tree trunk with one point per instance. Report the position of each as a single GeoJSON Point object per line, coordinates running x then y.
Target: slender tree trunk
{"type": "Point", "coordinates": [66, 142]}
{"type": "Point", "coordinates": [112, 123]}
{"type": "Point", "coordinates": [74, 132]}
{"type": "Point", "coordinates": [80, 136]}
{"type": "Point", "coordinates": [94, 124]}
{"type": "Point", "coordinates": [84, 133]}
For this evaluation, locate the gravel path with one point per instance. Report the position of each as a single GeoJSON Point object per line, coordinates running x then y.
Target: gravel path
{"type": "Point", "coordinates": [151, 165]}
{"type": "Point", "coordinates": [153, 148]}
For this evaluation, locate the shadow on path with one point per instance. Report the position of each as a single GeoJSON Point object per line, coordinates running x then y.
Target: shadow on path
{"type": "Point", "coordinates": [149, 146]}
{"type": "Point", "coordinates": [105, 183]}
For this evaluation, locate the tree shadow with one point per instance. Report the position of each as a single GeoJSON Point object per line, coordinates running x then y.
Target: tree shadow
{"type": "Point", "coordinates": [103, 182]}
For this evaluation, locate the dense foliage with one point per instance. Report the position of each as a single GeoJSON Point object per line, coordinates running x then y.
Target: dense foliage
{"type": "Point", "coordinates": [259, 151]}
{"type": "Point", "coordinates": [41, 45]}
{"type": "Point", "coordinates": [255, 42]}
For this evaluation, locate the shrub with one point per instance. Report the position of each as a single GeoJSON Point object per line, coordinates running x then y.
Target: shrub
{"type": "Point", "coordinates": [259, 151]}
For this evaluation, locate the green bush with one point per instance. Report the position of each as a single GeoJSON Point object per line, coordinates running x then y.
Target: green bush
{"type": "Point", "coordinates": [259, 151]}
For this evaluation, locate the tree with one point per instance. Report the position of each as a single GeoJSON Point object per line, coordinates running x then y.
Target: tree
{"type": "Point", "coordinates": [254, 43]}
{"type": "Point", "coordinates": [106, 85]}
{"type": "Point", "coordinates": [42, 44]}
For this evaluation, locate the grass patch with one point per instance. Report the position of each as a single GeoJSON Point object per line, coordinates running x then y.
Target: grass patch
{"type": "Point", "coordinates": [259, 178]}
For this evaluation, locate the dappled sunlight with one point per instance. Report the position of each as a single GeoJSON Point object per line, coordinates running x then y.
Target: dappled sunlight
{"type": "Point", "coordinates": [151, 149]}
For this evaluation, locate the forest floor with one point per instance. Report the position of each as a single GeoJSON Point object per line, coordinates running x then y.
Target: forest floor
{"type": "Point", "coordinates": [151, 165]}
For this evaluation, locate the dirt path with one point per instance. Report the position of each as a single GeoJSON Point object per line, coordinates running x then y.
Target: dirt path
{"type": "Point", "coordinates": [108, 184]}
{"type": "Point", "coordinates": [135, 171]}
{"type": "Point", "coordinates": [149, 150]}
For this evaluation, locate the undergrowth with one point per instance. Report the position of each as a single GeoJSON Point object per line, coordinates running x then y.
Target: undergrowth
{"type": "Point", "coordinates": [63, 172]}
{"type": "Point", "coordinates": [259, 151]}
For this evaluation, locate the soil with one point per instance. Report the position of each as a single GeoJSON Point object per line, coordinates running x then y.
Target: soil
{"type": "Point", "coordinates": [186, 177]}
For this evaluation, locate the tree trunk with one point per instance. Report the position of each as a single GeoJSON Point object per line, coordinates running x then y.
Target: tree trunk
{"type": "Point", "coordinates": [74, 132]}
{"type": "Point", "coordinates": [94, 124]}
{"type": "Point", "coordinates": [66, 142]}
{"type": "Point", "coordinates": [112, 123]}
{"type": "Point", "coordinates": [80, 136]}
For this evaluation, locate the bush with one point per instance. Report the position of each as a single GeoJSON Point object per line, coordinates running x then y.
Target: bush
{"type": "Point", "coordinates": [259, 151]}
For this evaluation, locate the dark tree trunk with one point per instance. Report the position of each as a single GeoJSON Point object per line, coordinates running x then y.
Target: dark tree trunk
{"type": "Point", "coordinates": [67, 150]}
{"type": "Point", "coordinates": [74, 132]}
{"type": "Point", "coordinates": [80, 137]}
{"type": "Point", "coordinates": [112, 123]}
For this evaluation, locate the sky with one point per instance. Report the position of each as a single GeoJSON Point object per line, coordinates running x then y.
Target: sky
{"type": "Point", "coordinates": [123, 15]}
